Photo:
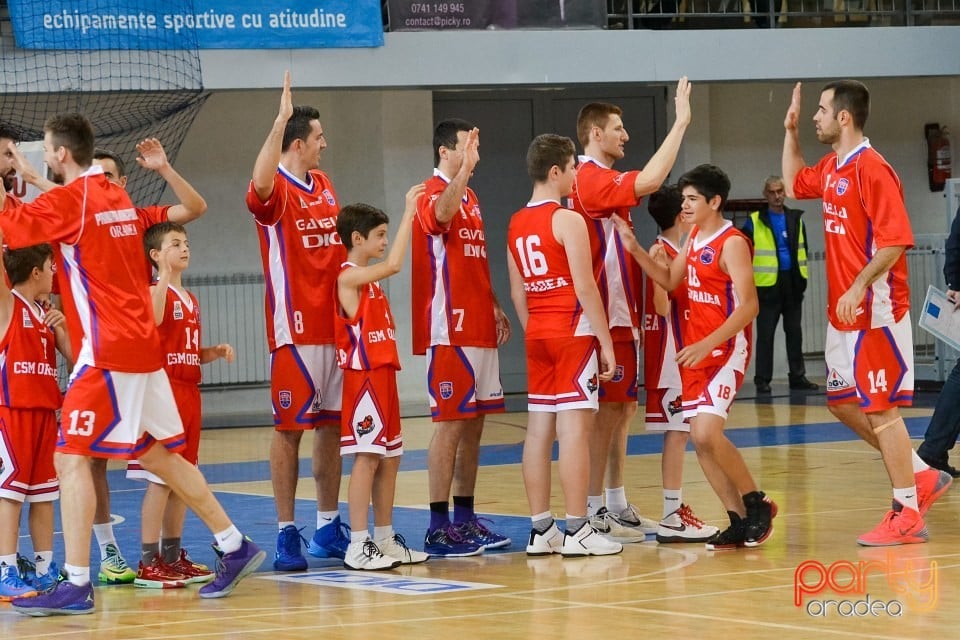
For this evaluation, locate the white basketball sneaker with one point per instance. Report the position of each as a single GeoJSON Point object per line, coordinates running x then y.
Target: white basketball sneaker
{"type": "Point", "coordinates": [587, 541]}
{"type": "Point", "coordinates": [546, 543]}
{"type": "Point", "coordinates": [366, 556]}
{"type": "Point", "coordinates": [683, 526]}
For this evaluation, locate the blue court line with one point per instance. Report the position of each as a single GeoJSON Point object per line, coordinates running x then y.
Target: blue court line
{"type": "Point", "coordinates": [505, 454]}
{"type": "Point", "coordinates": [255, 514]}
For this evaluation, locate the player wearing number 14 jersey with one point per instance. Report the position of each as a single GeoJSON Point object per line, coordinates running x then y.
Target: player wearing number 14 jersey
{"type": "Point", "coordinates": [869, 343]}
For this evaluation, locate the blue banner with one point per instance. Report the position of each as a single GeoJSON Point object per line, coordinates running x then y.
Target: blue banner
{"type": "Point", "coordinates": [203, 24]}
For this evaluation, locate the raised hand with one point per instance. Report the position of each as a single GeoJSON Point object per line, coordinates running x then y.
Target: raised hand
{"type": "Point", "coordinates": [286, 99]}
{"type": "Point", "coordinates": [682, 101]}
{"type": "Point", "coordinates": [471, 150]}
{"type": "Point", "coordinates": [152, 155]}
{"type": "Point", "coordinates": [793, 113]}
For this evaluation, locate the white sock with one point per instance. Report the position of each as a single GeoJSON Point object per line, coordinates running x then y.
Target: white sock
{"type": "Point", "coordinates": [383, 533]}
{"type": "Point", "coordinates": [283, 525]}
{"type": "Point", "coordinates": [326, 517]}
{"type": "Point", "coordinates": [78, 576]}
{"type": "Point", "coordinates": [229, 540]}
{"type": "Point", "coordinates": [42, 561]}
{"type": "Point", "coordinates": [10, 560]}
{"type": "Point", "coordinates": [918, 463]}
{"type": "Point", "coordinates": [907, 497]}
{"type": "Point", "coordinates": [593, 505]}
{"type": "Point", "coordinates": [671, 501]}
{"type": "Point", "coordinates": [546, 515]}
{"type": "Point", "coordinates": [358, 536]}
{"type": "Point", "coordinates": [616, 499]}
{"type": "Point", "coordinates": [104, 534]}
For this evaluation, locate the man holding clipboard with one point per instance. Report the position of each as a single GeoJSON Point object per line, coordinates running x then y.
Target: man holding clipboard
{"type": "Point", "coordinates": [944, 425]}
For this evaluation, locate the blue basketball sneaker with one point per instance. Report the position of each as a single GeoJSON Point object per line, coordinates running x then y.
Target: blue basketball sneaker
{"type": "Point", "coordinates": [234, 567]}
{"type": "Point", "coordinates": [289, 556]}
{"type": "Point", "coordinates": [475, 531]}
{"type": "Point", "coordinates": [330, 541]}
{"type": "Point", "coordinates": [449, 542]}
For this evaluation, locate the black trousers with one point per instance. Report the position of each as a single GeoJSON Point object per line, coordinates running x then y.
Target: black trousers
{"type": "Point", "coordinates": [944, 426]}
{"type": "Point", "coordinates": [780, 300]}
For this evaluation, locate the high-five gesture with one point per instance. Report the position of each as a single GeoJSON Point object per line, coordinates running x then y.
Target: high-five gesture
{"type": "Point", "coordinates": [286, 100]}
{"type": "Point", "coordinates": [793, 113]}
{"type": "Point", "coordinates": [152, 155]}
{"type": "Point", "coordinates": [682, 101]}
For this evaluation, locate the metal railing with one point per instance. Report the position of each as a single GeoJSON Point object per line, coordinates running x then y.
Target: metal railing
{"type": "Point", "coordinates": [702, 14]}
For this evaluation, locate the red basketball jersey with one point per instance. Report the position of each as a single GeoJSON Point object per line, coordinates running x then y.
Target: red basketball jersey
{"type": "Point", "coordinates": [711, 297]}
{"type": "Point", "coordinates": [599, 193]}
{"type": "Point", "coordinates": [301, 254]}
{"type": "Point", "coordinates": [863, 211]}
{"type": "Point", "coordinates": [452, 295]}
{"type": "Point", "coordinates": [661, 334]}
{"type": "Point", "coordinates": [28, 360]}
{"type": "Point", "coordinates": [100, 241]}
{"type": "Point", "coordinates": [180, 336]}
{"type": "Point", "coordinates": [552, 304]}
{"type": "Point", "coordinates": [368, 339]}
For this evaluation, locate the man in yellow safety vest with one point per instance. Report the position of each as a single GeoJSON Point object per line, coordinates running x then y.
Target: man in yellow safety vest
{"type": "Point", "coordinates": [780, 273]}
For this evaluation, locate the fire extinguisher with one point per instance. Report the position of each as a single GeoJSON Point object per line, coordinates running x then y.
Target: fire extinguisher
{"type": "Point", "coordinates": [938, 155]}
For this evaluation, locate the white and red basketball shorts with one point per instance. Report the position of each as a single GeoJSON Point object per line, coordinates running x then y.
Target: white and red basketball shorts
{"type": "Point", "coordinates": [463, 382]}
{"type": "Point", "coordinates": [306, 387]}
{"type": "Point", "coordinates": [370, 420]}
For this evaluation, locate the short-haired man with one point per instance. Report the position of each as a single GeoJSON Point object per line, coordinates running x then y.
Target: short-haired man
{"type": "Point", "coordinates": [295, 208]}
{"type": "Point", "coordinates": [601, 194]}
{"type": "Point", "coordinates": [869, 344]}
{"type": "Point", "coordinates": [458, 323]}
{"type": "Point", "coordinates": [119, 402]}
{"type": "Point", "coordinates": [779, 240]}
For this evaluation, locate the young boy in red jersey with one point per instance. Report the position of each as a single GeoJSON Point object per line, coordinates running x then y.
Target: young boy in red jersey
{"type": "Point", "coordinates": [722, 300]}
{"type": "Point", "coordinates": [663, 315]}
{"type": "Point", "coordinates": [163, 562]}
{"type": "Point", "coordinates": [367, 353]}
{"type": "Point", "coordinates": [29, 398]}
{"type": "Point", "coordinates": [561, 312]}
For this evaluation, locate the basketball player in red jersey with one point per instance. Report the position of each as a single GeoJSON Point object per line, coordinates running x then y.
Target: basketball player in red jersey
{"type": "Point", "coordinates": [561, 312]}
{"type": "Point", "coordinates": [119, 402]}
{"type": "Point", "coordinates": [717, 266]}
{"type": "Point", "coordinates": [869, 344]}
{"type": "Point", "coordinates": [602, 193]}
{"type": "Point", "coordinates": [295, 208]}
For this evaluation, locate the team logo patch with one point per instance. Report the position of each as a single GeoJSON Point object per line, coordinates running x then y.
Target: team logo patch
{"type": "Point", "coordinates": [617, 374]}
{"type": "Point", "coordinates": [27, 320]}
{"type": "Point", "coordinates": [446, 390]}
{"type": "Point", "coordinates": [835, 381]}
{"type": "Point", "coordinates": [177, 310]}
{"type": "Point", "coordinates": [707, 255]}
{"type": "Point", "coordinates": [329, 198]}
{"type": "Point", "coordinates": [285, 398]}
{"type": "Point", "coordinates": [842, 185]}
{"type": "Point", "coordinates": [365, 426]}
{"type": "Point", "coordinates": [675, 406]}
{"type": "Point", "coordinates": [592, 384]}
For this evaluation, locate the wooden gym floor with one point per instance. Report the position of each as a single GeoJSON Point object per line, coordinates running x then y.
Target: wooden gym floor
{"type": "Point", "coordinates": [830, 488]}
